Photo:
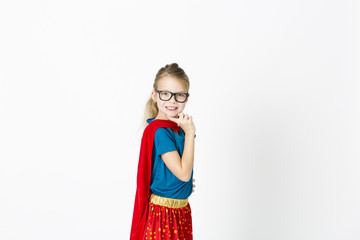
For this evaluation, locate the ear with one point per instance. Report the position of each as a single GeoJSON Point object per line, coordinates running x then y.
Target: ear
{"type": "Point", "coordinates": [153, 95]}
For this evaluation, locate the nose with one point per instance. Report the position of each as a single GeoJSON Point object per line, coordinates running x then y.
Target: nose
{"type": "Point", "coordinates": [172, 99]}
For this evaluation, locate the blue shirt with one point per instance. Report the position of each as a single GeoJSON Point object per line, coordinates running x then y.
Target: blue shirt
{"type": "Point", "coordinates": [163, 182]}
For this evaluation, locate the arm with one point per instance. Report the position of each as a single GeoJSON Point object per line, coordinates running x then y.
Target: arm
{"type": "Point", "coordinates": [181, 167]}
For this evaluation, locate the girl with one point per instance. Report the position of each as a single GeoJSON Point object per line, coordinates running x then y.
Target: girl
{"type": "Point", "coordinates": [165, 170]}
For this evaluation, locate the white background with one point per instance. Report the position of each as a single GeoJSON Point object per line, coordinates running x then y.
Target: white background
{"type": "Point", "coordinates": [275, 97]}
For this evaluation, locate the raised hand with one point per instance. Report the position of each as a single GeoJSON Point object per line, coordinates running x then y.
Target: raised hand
{"type": "Point", "coordinates": [193, 184]}
{"type": "Point", "coordinates": [185, 122]}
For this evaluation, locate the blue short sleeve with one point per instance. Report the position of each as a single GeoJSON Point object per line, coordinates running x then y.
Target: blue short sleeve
{"type": "Point", "coordinates": [164, 141]}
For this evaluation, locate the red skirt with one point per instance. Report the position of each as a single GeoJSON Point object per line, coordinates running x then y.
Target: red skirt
{"type": "Point", "coordinates": [165, 223]}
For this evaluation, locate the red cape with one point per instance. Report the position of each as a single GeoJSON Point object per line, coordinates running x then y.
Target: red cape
{"type": "Point", "coordinates": [144, 176]}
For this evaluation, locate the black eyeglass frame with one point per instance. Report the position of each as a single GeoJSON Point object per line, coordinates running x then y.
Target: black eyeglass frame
{"type": "Point", "coordinates": [172, 94]}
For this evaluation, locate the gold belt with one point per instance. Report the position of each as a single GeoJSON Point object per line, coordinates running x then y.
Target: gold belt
{"type": "Point", "coordinates": [168, 202]}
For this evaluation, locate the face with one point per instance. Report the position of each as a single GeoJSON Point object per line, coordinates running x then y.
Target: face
{"type": "Point", "coordinates": [173, 85]}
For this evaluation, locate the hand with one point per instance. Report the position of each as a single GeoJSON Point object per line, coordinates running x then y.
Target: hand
{"type": "Point", "coordinates": [193, 185]}
{"type": "Point", "coordinates": [185, 122]}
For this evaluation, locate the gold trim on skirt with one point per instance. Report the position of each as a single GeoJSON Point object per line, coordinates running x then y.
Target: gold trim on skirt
{"type": "Point", "coordinates": [168, 202]}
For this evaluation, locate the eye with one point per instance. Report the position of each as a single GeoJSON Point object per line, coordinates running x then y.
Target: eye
{"type": "Point", "coordinates": [181, 94]}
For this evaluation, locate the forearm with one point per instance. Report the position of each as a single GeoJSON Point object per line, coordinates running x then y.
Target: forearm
{"type": "Point", "coordinates": [187, 159]}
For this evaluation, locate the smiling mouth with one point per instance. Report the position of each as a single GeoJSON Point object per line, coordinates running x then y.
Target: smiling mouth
{"type": "Point", "coordinates": [171, 108]}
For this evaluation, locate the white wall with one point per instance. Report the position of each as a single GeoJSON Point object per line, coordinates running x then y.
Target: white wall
{"type": "Point", "coordinates": [275, 96]}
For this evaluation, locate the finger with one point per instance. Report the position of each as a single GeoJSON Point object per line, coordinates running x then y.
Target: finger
{"type": "Point", "coordinates": [181, 118]}
{"type": "Point", "coordinates": [193, 179]}
{"type": "Point", "coordinates": [194, 185]}
{"type": "Point", "coordinates": [181, 115]}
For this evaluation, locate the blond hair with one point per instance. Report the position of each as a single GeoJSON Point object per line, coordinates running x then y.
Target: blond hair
{"type": "Point", "coordinates": [173, 70]}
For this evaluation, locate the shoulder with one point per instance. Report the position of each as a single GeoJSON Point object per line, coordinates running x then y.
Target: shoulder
{"type": "Point", "coordinates": [163, 132]}
{"type": "Point", "coordinates": [164, 140]}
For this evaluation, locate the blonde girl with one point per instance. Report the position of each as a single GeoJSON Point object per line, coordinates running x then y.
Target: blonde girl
{"type": "Point", "coordinates": [165, 170]}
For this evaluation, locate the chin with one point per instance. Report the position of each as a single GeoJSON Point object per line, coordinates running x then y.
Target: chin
{"type": "Point", "coordinates": [174, 115]}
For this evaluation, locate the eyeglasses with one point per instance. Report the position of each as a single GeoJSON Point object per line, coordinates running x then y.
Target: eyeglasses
{"type": "Point", "coordinates": [166, 96]}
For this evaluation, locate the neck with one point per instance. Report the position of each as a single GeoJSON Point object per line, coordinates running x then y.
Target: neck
{"type": "Point", "coordinates": [161, 117]}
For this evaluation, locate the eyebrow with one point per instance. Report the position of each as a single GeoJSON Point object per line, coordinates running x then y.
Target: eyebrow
{"type": "Point", "coordinates": [172, 92]}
